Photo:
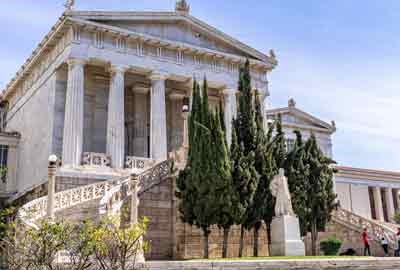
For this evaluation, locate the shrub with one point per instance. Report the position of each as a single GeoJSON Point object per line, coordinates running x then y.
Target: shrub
{"type": "Point", "coordinates": [330, 246]}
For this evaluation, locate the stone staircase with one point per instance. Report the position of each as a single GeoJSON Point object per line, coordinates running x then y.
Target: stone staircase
{"type": "Point", "coordinates": [348, 227]}
{"type": "Point", "coordinates": [94, 200]}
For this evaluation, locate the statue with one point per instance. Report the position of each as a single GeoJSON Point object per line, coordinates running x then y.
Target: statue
{"type": "Point", "coordinates": [280, 190]}
{"type": "Point", "coordinates": [69, 4]}
{"type": "Point", "coordinates": [182, 6]}
{"type": "Point", "coordinates": [285, 226]}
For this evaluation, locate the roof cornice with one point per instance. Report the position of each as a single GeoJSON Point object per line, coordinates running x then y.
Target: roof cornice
{"type": "Point", "coordinates": [295, 111]}
{"type": "Point", "coordinates": [148, 15]}
{"type": "Point", "coordinates": [31, 60]}
{"type": "Point", "coordinates": [357, 173]}
{"type": "Point", "coordinates": [119, 30]}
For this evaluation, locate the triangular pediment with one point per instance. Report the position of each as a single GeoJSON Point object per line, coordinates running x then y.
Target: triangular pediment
{"type": "Point", "coordinates": [294, 117]}
{"type": "Point", "coordinates": [173, 26]}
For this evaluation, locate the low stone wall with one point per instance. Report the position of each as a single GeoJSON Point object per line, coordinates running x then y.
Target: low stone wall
{"type": "Point", "coordinates": [170, 238]}
{"type": "Point", "coordinates": [310, 264]}
{"type": "Point", "coordinates": [65, 183]}
{"type": "Point", "coordinates": [350, 239]}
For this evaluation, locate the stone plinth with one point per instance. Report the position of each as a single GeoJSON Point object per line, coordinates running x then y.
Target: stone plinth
{"type": "Point", "coordinates": [285, 237]}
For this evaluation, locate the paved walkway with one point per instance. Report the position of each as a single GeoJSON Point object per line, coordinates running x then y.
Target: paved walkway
{"type": "Point", "coordinates": [303, 264]}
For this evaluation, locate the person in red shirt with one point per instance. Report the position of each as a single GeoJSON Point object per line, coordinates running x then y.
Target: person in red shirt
{"type": "Point", "coordinates": [397, 251]}
{"type": "Point", "coordinates": [366, 242]}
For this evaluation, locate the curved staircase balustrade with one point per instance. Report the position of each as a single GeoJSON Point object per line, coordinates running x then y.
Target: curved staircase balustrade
{"type": "Point", "coordinates": [376, 230]}
{"type": "Point", "coordinates": [36, 209]}
{"type": "Point", "coordinates": [114, 198]}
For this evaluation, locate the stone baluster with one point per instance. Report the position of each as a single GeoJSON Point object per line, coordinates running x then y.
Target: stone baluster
{"type": "Point", "coordinates": [158, 117]}
{"type": "Point", "coordinates": [378, 204]}
{"type": "Point", "coordinates": [230, 108]}
{"type": "Point", "coordinates": [116, 117]}
{"type": "Point", "coordinates": [389, 203]}
{"type": "Point", "coordinates": [73, 124]}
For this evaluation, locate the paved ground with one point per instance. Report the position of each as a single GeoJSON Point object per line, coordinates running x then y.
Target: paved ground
{"type": "Point", "coordinates": [303, 264]}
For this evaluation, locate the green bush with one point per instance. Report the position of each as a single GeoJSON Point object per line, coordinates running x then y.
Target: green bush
{"type": "Point", "coordinates": [330, 246]}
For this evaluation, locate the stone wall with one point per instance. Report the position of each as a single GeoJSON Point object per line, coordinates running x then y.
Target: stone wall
{"type": "Point", "coordinates": [350, 239]}
{"type": "Point", "coordinates": [64, 183]}
{"type": "Point", "coordinates": [32, 117]}
{"type": "Point", "coordinates": [190, 242]}
{"type": "Point", "coordinates": [170, 238]}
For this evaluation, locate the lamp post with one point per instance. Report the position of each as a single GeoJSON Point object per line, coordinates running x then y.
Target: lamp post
{"type": "Point", "coordinates": [134, 199]}
{"type": "Point", "coordinates": [185, 114]}
{"type": "Point", "coordinates": [52, 169]}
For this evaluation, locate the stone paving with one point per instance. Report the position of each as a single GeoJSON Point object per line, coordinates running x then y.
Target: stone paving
{"type": "Point", "coordinates": [303, 264]}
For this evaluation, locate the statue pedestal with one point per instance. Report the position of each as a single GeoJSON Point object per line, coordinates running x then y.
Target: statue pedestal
{"type": "Point", "coordinates": [285, 237]}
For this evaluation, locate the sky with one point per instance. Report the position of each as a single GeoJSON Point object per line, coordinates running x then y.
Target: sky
{"type": "Point", "coordinates": [339, 59]}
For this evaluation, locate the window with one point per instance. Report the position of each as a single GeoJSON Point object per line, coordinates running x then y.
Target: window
{"type": "Point", "coordinates": [3, 115]}
{"type": "Point", "coordinates": [3, 162]}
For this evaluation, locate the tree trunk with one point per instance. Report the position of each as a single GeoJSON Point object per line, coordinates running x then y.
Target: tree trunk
{"type": "Point", "coordinates": [225, 243]}
{"type": "Point", "coordinates": [205, 243]}
{"type": "Point", "coordinates": [269, 238]}
{"type": "Point", "coordinates": [314, 238]}
{"type": "Point", "coordinates": [241, 242]}
{"type": "Point", "coordinates": [255, 243]}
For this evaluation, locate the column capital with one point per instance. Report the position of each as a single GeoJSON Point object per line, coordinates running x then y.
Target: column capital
{"type": "Point", "coordinates": [176, 96]}
{"type": "Point", "coordinates": [140, 89]}
{"type": "Point", "coordinates": [76, 62]}
{"type": "Point", "coordinates": [230, 91]}
{"type": "Point", "coordinates": [158, 76]}
{"type": "Point", "coordinates": [118, 68]}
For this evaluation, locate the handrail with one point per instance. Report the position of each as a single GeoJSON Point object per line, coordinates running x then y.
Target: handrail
{"type": "Point", "coordinates": [375, 229]}
{"type": "Point", "coordinates": [36, 209]}
{"type": "Point", "coordinates": [113, 199]}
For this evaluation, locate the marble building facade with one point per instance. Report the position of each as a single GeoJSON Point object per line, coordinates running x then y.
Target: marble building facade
{"type": "Point", "coordinates": [107, 92]}
{"type": "Point", "coordinates": [104, 90]}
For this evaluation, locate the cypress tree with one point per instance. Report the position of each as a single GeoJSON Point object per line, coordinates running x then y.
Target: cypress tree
{"type": "Point", "coordinates": [226, 194]}
{"type": "Point", "coordinates": [244, 175]}
{"type": "Point", "coordinates": [196, 186]}
{"type": "Point", "coordinates": [310, 172]}
{"type": "Point", "coordinates": [263, 204]}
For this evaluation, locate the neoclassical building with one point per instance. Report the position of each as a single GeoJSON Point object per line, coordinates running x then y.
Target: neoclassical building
{"type": "Point", "coordinates": [109, 94]}
{"type": "Point", "coordinates": [372, 194]}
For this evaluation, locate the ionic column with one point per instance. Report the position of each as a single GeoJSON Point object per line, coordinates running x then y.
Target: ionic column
{"type": "Point", "coordinates": [230, 110]}
{"type": "Point", "coordinates": [158, 117]}
{"type": "Point", "coordinates": [116, 117]}
{"type": "Point", "coordinates": [389, 203]}
{"type": "Point", "coordinates": [378, 204]}
{"type": "Point", "coordinates": [73, 124]}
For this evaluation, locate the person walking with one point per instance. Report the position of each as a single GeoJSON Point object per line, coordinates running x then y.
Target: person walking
{"type": "Point", "coordinates": [397, 251]}
{"type": "Point", "coordinates": [385, 246]}
{"type": "Point", "coordinates": [365, 238]}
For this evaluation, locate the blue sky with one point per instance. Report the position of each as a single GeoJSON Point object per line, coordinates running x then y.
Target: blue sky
{"type": "Point", "coordinates": [339, 59]}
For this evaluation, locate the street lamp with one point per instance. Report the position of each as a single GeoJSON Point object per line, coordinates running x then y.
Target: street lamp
{"type": "Point", "coordinates": [185, 114]}
{"type": "Point", "coordinates": [52, 169]}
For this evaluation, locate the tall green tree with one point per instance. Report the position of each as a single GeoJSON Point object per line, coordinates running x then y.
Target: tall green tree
{"type": "Point", "coordinates": [311, 172]}
{"type": "Point", "coordinates": [244, 175]}
{"type": "Point", "coordinates": [262, 207]}
{"type": "Point", "coordinates": [205, 185]}
{"type": "Point", "coordinates": [226, 194]}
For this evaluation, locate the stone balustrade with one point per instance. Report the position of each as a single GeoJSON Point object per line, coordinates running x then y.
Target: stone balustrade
{"type": "Point", "coordinates": [36, 209]}
{"type": "Point", "coordinates": [96, 159]}
{"type": "Point", "coordinates": [112, 201]}
{"type": "Point", "coordinates": [376, 230]}
{"type": "Point", "coordinates": [138, 164]}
